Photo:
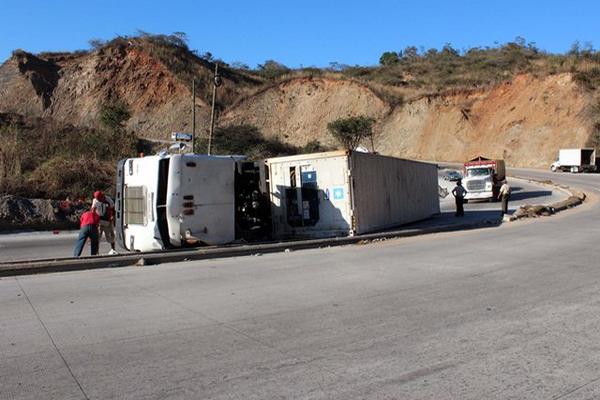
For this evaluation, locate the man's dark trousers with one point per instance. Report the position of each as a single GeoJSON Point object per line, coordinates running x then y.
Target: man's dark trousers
{"type": "Point", "coordinates": [460, 209]}
{"type": "Point", "coordinates": [505, 198]}
{"type": "Point", "coordinates": [87, 231]}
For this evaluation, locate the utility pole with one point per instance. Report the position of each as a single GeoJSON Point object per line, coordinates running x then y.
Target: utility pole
{"type": "Point", "coordinates": [193, 115]}
{"type": "Point", "coordinates": [216, 82]}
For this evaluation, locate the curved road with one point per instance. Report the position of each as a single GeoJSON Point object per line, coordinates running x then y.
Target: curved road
{"type": "Point", "coordinates": [507, 313]}
{"type": "Point", "coordinates": [39, 245]}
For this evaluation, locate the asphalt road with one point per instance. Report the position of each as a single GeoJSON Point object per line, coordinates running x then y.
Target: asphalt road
{"type": "Point", "coordinates": [510, 312]}
{"type": "Point", "coordinates": [37, 245]}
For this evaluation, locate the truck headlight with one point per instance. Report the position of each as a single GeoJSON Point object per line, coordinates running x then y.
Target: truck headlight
{"type": "Point", "coordinates": [488, 185]}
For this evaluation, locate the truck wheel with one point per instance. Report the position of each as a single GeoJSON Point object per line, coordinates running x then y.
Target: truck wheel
{"type": "Point", "coordinates": [553, 168]}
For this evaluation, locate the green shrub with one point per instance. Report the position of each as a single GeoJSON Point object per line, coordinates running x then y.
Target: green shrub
{"type": "Point", "coordinates": [245, 140]}
{"type": "Point", "coordinates": [389, 58]}
{"type": "Point", "coordinates": [60, 177]}
{"type": "Point", "coordinates": [590, 79]}
{"type": "Point", "coordinates": [349, 132]}
{"type": "Point", "coordinates": [314, 146]}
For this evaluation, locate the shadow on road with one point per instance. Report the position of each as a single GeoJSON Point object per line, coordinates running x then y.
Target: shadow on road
{"type": "Point", "coordinates": [529, 195]}
{"type": "Point", "coordinates": [471, 220]}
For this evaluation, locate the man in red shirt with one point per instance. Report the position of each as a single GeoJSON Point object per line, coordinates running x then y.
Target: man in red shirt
{"type": "Point", "coordinates": [89, 229]}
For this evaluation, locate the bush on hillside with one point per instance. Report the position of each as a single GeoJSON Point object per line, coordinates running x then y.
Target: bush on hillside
{"type": "Point", "coordinates": [245, 140]}
{"type": "Point", "coordinates": [272, 69]}
{"type": "Point", "coordinates": [350, 132]}
{"type": "Point", "coordinates": [590, 79]}
{"type": "Point", "coordinates": [60, 177]}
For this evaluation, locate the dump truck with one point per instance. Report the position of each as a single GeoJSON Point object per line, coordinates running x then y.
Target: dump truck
{"type": "Point", "coordinates": [483, 178]}
{"type": "Point", "coordinates": [575, 160]}
{"type": "Point", "coordinates": [171, 201]}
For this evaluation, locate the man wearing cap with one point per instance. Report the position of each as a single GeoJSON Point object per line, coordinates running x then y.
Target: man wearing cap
{"type": "Point", "coordinates": [105, 207]}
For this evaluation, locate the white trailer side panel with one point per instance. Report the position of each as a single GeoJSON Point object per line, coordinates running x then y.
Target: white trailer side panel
{"type": "Point", "coordinates": [569, 157]}
{"type": "Point", "coordinates": [389, 191]}
{"type": "Point", "coordinates": [310, 195]}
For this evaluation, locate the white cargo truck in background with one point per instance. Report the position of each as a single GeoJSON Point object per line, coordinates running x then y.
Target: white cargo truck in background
{"type": "Point", "coordinates": [180, 200]}
{"type": "Point", "coordinates": [483, 178]}
{"type": "Point", "coordinates": [575, 160]}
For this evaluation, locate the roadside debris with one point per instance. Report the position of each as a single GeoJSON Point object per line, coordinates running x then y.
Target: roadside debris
{"type": "Point", "coordinates": [534, 211]}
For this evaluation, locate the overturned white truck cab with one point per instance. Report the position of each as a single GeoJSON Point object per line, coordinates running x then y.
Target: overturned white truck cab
{"type": "Point", "coordinates": [173, 201]}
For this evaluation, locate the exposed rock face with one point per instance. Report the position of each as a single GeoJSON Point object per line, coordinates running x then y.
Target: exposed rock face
{"type": "Point", "coordinates": [17, 213]}
{"type": "Point", "coordinates": [298, 111]}
{"type": "Point", "coordinates": [525, 121]}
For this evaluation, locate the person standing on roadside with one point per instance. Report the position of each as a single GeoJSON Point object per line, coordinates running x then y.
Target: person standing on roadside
{"type": "Point", "coordinates": [105, 208]}
{"type": "Point", "coordinates": [89, 230]}
{"type": "Point", "coordinates": [504, 196]}
{"type": "Point", "coordinates": [459, 193]}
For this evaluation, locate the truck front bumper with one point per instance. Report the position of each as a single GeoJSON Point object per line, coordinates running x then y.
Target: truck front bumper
{"type": "Point", "coordinates": [479, 195]}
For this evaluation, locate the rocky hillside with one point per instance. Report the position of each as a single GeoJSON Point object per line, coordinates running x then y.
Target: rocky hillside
{"type": "Point", "coordinates": [73, 109]}
{"type": "Point", "coordinates": [146, 75]}
{"type": "Point", "coordinates": [524, 120]}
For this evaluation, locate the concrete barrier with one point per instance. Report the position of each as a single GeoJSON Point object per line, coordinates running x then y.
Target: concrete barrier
{"type": "Point", "coordinates": [29, 267]}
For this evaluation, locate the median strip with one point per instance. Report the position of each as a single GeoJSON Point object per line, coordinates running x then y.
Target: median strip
{"type": "Point", "coordinates": [29, 267]}
{"type": "Point", "coordinates": [533, 211]}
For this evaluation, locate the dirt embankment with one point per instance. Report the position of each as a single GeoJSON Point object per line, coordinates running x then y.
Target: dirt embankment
{"type": "Point", "coordinates": [525, 121]}
{"type": "Point", "coordinates": [72, 88]}
{"type": "Point", "coordinates": [298, 111]}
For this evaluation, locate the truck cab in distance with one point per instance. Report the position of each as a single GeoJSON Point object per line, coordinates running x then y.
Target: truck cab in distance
{"type": "Point", "coordinates": [483, 178]}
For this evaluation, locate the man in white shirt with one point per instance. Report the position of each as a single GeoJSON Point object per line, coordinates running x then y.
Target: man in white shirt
{"type": "Point", "coordinates": [504, 196]}
{"type": "Point", "coordinates": [105, 208]}
{"type": "Point", "coordinates": [459, 193]}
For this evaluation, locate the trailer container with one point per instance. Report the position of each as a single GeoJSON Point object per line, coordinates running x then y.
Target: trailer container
{"type": "Point", "coordinates": [575, 160]}
{"type": "Point", "coordinates": [348, 193]}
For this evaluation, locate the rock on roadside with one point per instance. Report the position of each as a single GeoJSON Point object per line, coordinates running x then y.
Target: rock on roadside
{"type": "Point", "coordinates": [19, 213]}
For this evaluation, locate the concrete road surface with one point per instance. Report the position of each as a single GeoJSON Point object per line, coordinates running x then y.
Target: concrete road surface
{"type": "Point", "coordinates": [504, 313]}
{"type": "Point", "coordinates": [28, 246]}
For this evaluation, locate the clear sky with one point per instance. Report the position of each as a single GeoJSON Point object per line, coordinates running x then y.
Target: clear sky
{"type": "Point", "coordinates": [309, 32]}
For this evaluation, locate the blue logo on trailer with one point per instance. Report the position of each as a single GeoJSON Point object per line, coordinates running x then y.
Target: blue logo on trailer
{"type": "Point", "coordinates": [338, 193]}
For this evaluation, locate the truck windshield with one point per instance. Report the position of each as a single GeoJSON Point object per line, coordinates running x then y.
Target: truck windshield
{"type": "Point", "coordinates": [479, 172]}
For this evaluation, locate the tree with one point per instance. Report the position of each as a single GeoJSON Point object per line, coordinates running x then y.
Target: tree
{"type": "Point", "coordinates": [410, 53]}
{"type": "Point", "coordinates": [113, 140]}
{"type": "Point", "coordinates": [272, 69]}
{"type": "Point", "coordinates": [349, 132]}
{"type": "Point", "coordinates": [114, 115]}
{"type": "Point", "coordinates": [389, 58]}
{"type": "Point", "coordinates": [97, 43]}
